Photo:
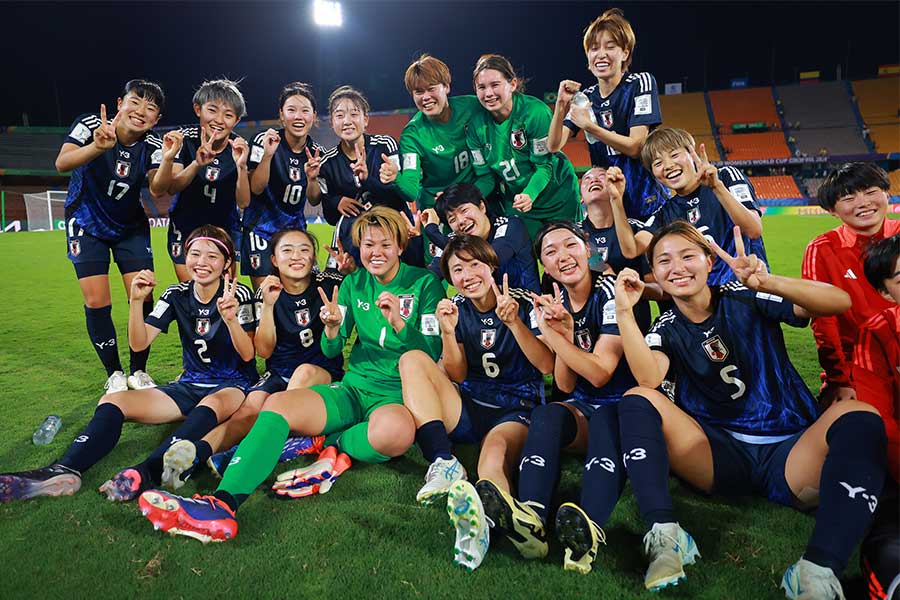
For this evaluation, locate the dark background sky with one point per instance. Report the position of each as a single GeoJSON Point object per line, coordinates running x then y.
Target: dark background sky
{"type": "Point", "coordinates": [64, 58]}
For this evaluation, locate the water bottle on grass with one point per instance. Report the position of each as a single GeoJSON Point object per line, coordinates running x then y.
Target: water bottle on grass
{"type": "Point", "coordinates": [47, 431]}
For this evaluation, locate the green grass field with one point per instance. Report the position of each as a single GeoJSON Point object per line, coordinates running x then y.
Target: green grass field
{"type": "Point", "coordinates": [366, 538]}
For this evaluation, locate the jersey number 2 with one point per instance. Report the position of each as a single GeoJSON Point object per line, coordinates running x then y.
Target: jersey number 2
{"type": "Point", "coordinates": [201, 348]}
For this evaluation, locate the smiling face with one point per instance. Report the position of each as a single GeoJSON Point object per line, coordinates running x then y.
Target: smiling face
{"type": "Point", "coordinates": [605, 57]}
{"type": "Point", "coordinates": [593, 186]}
{"type": "Point", "coordinates": [892, 284]}
{"type": "Point", "coordinates": [139, 115]}
{"type": "Point", "coordinates": [680, 266]}
{"type": "Point", "coordinates": [471, 277]}
{"type": "Point", "coordinates": [348, 120]}
{"type": "Point", "coordinates": [379, 253]}
{"type": "Point", "coordinates": [217, 116]}
{"type": "Point", "coordinates": [298, 115]}
{"type": "Point", "coordinates": [469, 219]}
{"type": "Point", "coordinates": [431, 99]}
{"type": "Point", "coordinates": [205, 262]}
{"type": "Point", "coordinates": [675, 169]}
{"type": "Point", "coordinates": [294, 256]}
{"type": "Point", "coordinates": [863, 211]}
{"type": "Point", "coordinates": [494, 91]}
{"type": "Point", "coordinates": [565, 257]}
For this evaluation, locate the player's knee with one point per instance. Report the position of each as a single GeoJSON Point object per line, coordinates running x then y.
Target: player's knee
{"type": "Point", "coordinates": [276, 403]}
{"type": "Point", "coordinates": [492, 459]}
{"type": "Point", "coordinates": [412, 363]}
{"type": "Point", "coordinates": [550, 416]}
{"type": "Point", "coordinates": [392, 434]}
{"type": "Point", "coordinates": [303, 376]}
{"type": "Point", "coordinates": [843, 407]}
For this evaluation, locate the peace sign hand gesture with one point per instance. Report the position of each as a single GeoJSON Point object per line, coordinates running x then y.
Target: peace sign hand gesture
{"type": "Point", "coordinates": [749, 270]}
{"type": "Point", "coordinates": [228, 304]}
{"type": "Point", "coordinates": [330, 313]}
{"type": "Point", "coordinates": [414, 228]}
{"type": "Point", "coordinates": [360, 169]}
{"type": "Point", "coordinates": [345, 262]}
{"type": "Point", "coordinates": [707, 172]}
{"type": "Point", "coordinates": [240, 151]}
{"type": "Point", "coordinates": [389, 169]}
{"type": "Point", "coordinates": [205, 153]}
{"type": "Point", "coordinates": [507, 308]}
{"type": "Point", "coordinates": [172, 143]}
{"type": "Point", "coordinates": [552, 314]}
{"type": "Point", "coordinates": [105, 134]}
{"type": "Point", "coordinates": [312, 165]}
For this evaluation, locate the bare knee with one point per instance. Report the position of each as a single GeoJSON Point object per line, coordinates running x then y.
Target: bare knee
{"type": "Point", "coordinates": [276, 403]}
{"type": "Point", "coordinates": [304, 376]}
{"type": "Point", "coordinates": [413, 363]}
{"type": "Point", "coordinates": [392, 433]}
{"type": "Point", "coordinates": [838, 409]}
{"type": "Point", "coordinates": [493, 459]}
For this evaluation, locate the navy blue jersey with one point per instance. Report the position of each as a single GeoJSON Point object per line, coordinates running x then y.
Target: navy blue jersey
{"type": "Point", "coordinates": [281, 204]}
{"type": "Point", "coordinates": [598, 317]}
{"type": "Point", "coordinates": [704, 211]}
{"type": "Point", "coordinates": [732, 370]}
{"type": "Point", "coordinates": [634, 102]}
{"type": "Point", "coordinates": [105, 194]}
{"type": "Point", "coordinates": [210, 198]}
{"type": "Point", "coordinates": [207, 352]}
{"type": "Point", "coordinates": [499, 374]}
{"type": "Point", "coordinates": [336, 178]}
{"type": "Point", "coordinates": [298, 328]}
{"type": "Point", "coordinates": [510, 240]}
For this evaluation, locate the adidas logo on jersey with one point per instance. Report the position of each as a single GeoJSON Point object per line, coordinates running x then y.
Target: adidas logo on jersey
{"type": "Point", "coordinates": [850, 274]}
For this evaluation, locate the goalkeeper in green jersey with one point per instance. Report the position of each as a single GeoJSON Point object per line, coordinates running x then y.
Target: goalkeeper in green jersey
{"type": "Point", "coordinates": [392, 307]}
{"type": "Point", "coordinates": [509, 139]}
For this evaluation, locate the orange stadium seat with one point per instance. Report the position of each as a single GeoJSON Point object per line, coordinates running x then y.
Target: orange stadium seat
{"type": "Point", "coordinates": [886, 137]}
{"type": "Point", "coordinates": [895, 182]}
{"type": "Point", "coordinates": [748, 146]}
{"type": "Point", "coordinates": [712, 152]}
{"type": "Point", "coordinates": [388, 124]}
{"type": "Point", "coordinates": [577, 151]}
{"type": "Point", "coordinates": [686, 111]}
{"type": "Point", "coordinates": [776, 186]}
{"type": "Point", "coordinates": [878, 99]}
{"type": "Point", "coordinates": [749, 105]}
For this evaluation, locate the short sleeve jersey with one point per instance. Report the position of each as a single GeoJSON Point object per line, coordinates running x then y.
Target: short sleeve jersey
{"type": "Point", "coordinates": [298, 328]}
{"type": "Point", "coordinates": [281, 204]}
{"type": "Point", "coordinates": [105, 194]}
{"type": "Point", "coordinates": [435, 155]}
{"type": "Point", "coordinates": [633, 103]}
{"type": "Point", "coordinates": [210, 198]}
{"type": "Point", "coordinates": [499, 374]}
{"type": "Point", "coordinates": [704, 211]}
{"type": "Point", "coordinates": [207, 352]}
{"type": "Point", "coordinates": [732, 370]}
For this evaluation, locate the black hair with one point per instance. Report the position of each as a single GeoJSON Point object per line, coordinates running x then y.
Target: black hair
{"type": "Point", "coordinates": [279, 235]}
{"type": "Point", "coordinates": [880, 260]}
{"type": "Point", "coordinates": [455, 196]}
{"type": "Point", "coordinates": [849, 179]}
{"type": "Point", "coordinates": [146, 90]}
{"type": "Point", "coordinates": [553, 226]}
{"type": "Point", "coordinates": [297, 88]}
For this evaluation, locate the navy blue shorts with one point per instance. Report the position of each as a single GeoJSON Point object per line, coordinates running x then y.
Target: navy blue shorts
{"type": "Point", "coordinates": [476, 418]}
{"type": "Point", "coordinates": [257, 255]}
{"type": "Point", "coordinates": [90, 255]}
{"type": "Point", "coordinates": [176, 238]}
{"type": "Point", "coordinates": [270, 383]}
{"type": "Point", "coordinates": [189, 395]}
{"type": "Point", "coordinates": [744, 469]}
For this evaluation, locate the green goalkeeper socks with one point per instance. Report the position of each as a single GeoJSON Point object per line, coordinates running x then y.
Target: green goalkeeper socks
{"type": "Point", "coordinates": [256, 456]}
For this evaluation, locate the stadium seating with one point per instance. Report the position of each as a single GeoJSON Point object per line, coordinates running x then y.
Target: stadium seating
{"type": "Point", "coordinates": [749, 146]}
{"type": "Point", "coordinates": [878, 100]}
{"type": "Point", "coordinates": [29, 150]}
{"type": "Point", "coordinates": [836, 141]}
{"type": "Point", "coordinates": [748, 105]}
{"type": "Point", "coordinates": [775, 186]}
{"type": "Point", "coordinates": [886, 137]}
{"type": "Point", "coordinates": [817, 106]}
{"type": "Point", "coordinates": [895, 182]}
{"type": "Point", "coordinates": [812, 186]}
{"type": "Point", "coordinates": [577, 151]}
{"type": "Point", "coordinates": [686, 111]}
{"type": "Point", "coordinates": [709, 142]}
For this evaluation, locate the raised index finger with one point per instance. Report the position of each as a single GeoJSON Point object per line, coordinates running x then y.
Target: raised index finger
{"type": "Point", "coordinates": [738, 241]}
{"type": "Point", "coordinates": [103, 114]}
{"type": "Point", "coordinates": [557, 294]}
{"type": "Point", "coordinates": [506, 284]}
{"type": "Point", "coordinates": [323, 295]}
{"type": "Point", "coordinates": [703, 156]}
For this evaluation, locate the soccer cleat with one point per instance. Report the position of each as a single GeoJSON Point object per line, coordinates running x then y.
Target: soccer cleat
{"type": "Point", "coordinates": [317, 478]}
{"type": "Point", "coordinates": [204, 518]}
{"type": "Point", "coordinates": [580, 536]}
{"type": "Point", "coordinates": [468, 518]}
{"type": "Point", "coordinates": [805, 580]}
{"type": "Point", "coordinates": [301, 446]}
{"type": "Point", "coordinates": [116, 383]}
{"type": "Point", "coordinates": [219, 461]}
{"type": "Point", "coordinates": [55, 480]}
{"type": "Point", "coordinates": [668, 548]}
{"type": "Point", "coordinates": [140, 380]}
{"type": "Point", "coordinates": [180, 459]}
{"type": "Point", "coordinates": [441, 474]}
{"type": "Point", "coordinates": [516, 520]}
{"type": "Point", "coordinates": [124, 486]}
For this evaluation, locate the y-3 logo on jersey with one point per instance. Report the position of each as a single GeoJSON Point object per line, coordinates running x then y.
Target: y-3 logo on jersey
{"type": "Point", "coordinates": [124, 154]}
{"type": "Point", "coordinates": [203, 312]}
{"type": "Point", "coordinates": [487, 321]}
{"type": "Point", "coordinates": [362, 305]}
{"type": "Point", "coordinates": [300, 302]}
{"type": "Point", "coordinates": [438, 149]}
{"type": "Point", "coordinates": [708, 332]}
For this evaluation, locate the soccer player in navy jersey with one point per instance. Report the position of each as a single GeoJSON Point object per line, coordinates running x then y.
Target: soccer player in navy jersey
{"type": "Point", "coordinates": [215, 323]}
{"type": "Point", "coordinates": [287, 307]}
{"type": "Point", "coordinates": [462, 207]}
{"type": "Point", "coordinates": [109, 161]}
{"type": "Point", "coordinates": [623, 110]}
{"type": "Point", "coordinates": [743, 422]}
{"type": "Point", "coordinates": [491, 377]}
{"type": "Point", "coordinates": [278, 165]}
{"type": "Point", "coordinates": [205, 168]}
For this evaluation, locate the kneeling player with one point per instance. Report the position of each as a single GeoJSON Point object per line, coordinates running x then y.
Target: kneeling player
{"type": "Point", "coordinates": [491, 350]}
{"type": "Point", "coordinates": [392, 307]}
{"type": "Point", "coordinates": [215, 322]}
{"type": "Point", "coordinates": [743, 421]}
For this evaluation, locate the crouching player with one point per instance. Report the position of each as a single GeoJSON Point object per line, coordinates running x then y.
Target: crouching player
{"type": "Point", "coordinates": [493, 354]}
{"type": "Point", "coordinates": [215, 322]}
{"type": "Point", "coordinates": [743, 421]}
{"type": "Point", "coordinates": [876, 378]}
{"type": "Point", "coordinates": [287, 306]}
{"type": "Point", "coordinates": [392, 307]}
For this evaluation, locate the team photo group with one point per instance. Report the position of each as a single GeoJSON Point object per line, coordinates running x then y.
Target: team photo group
{"type": "Point", "coordinates": [544, 346]}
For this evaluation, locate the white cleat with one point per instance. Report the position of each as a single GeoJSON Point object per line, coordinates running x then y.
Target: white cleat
{"type": "Point", "coordinates": [180, 457]}
{"type": "Point", "coordinates": [668, 548]}
{"type": "Point", "coordinates": [140, 380]}
{"type": "Point", "coordinates": [116, 383]}
{"type": "Point", "coordinates": [442, 473]}
{"type": "Point", "coordinates": [468, 518]}
{"type": "Point", "coordinates": [805, 580]}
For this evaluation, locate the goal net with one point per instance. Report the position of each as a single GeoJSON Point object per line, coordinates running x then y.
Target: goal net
{"type": "Point", "coordinates": [44, 210]}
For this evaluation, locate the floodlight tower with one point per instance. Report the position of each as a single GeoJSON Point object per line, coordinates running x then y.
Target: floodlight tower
{"type": "Point", "coordinates": [328, 13]}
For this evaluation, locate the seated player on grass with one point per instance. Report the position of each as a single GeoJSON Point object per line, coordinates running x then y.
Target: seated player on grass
{"type": "Point", "coordinates": [743, 422]}
{"type": "Point", "coordinates": [205, 168]}
{"type": "Point", "coordinates": [462, 207]}
{"type": "Point", "coordinates": [392, 307]}
{"type": "Point", "coordinates": [491, 377]}
{"type": "Point", "coordinates": [578, 323]}
{"type": "Point", "coordinates": [215, 322]}
{"type": "Point", "coordinates": [287, 337]}
{"type": "Point", "coordinates": [858, 195]}
{"type": "Point", "coordinates": [876, 379]}
{"type": "Point", "coordinates": [712, 200]}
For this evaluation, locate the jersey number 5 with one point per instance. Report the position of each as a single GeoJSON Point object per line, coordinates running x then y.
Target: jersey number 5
{"type": "Point", "coordinates": [725, 374]}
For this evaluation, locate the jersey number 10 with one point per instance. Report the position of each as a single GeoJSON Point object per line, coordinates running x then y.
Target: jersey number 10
{"type": "Point", "coordinates": [293, 194]}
